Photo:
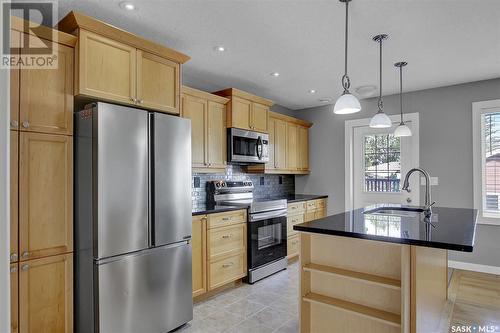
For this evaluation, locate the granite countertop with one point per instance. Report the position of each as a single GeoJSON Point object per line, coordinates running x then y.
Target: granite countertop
{"type": "Point", "coordinates": [451, 229]}
{"type": "Point", "coordinates": [210, 208]}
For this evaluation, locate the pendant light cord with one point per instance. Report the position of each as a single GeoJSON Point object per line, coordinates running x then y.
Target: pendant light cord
{"type": "Point", "coordinates": [401, 92]}
{"type": "Point", "coordinates": [380, 103]}
{"type": "Point", "coordinates": [346, 82]}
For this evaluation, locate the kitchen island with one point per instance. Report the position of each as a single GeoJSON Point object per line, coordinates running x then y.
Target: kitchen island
{"type": "Point", "coordinates": [379, 270]}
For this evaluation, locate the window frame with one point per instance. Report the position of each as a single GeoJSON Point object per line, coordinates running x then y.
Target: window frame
{"type": "Point", "coordinates": [478, 109]}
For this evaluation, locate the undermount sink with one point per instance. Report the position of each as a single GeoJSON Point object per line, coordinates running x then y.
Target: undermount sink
{"type": "Point", "coordinates": [396, 211]}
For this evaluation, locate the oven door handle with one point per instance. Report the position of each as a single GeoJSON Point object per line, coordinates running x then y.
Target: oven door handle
{"type": "Point", "coordinates": [267, 215]}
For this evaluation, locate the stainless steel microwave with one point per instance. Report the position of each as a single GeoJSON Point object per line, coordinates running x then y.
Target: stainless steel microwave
{"type": "Point", "coordinates": [247, 147]}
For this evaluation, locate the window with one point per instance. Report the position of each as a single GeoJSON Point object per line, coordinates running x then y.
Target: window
{"type": "Point", "coordinates": [382, 155]}
{"type": "Point", "coordinates": [486, 154]}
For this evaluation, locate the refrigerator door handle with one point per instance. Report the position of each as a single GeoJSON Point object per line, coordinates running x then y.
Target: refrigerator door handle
{"type": "Point", "coordinates": [151, 173]}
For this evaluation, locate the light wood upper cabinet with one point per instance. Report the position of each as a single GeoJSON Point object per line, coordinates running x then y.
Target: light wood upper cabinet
{"type": "Point", "coordinates": [106, 68]}
{"type": "Point", "coordinates": [157, 82]}
{"type": "Point", "coordinates": [46, 295]}
{"type": "Point", "coordinates": [45, 195]}
{"type": "Point", "coordinates": [260, 117]}
{"type": "Point", "coordinates": [208, 128]}
{"type": "Point", "coordinates": [199, 250]}
{"type": "Point", "coordinates": [195, 109]}
{"type": "Point", "coordinates": [14, 298]}
{"type": "Point", "coordinates": [46, 96]}
{"type": "Point", "coordinates": [217, 137]}
{"type": "Point", "coordinates": [303, 147]}
{"type": "Point", "coordinates": [280, 144]}
{"type": "Point", "coordinates": [291, 150]}
{"type": "Point", "coordinates": [15, 41]}
{"type": "Point", "coordinates": [241, 113]}
{"type": "Point", "coordinates": [272, 133]}
{"type": "Point", "coordinates": [246, 111]}
{"type": "Point", "coordinates": [14, 195]}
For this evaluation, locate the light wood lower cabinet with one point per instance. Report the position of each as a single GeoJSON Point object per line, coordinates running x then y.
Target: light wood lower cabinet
{"type": "Point", "coordinates": [300, 212]}
{"type": "Point", "coordinates": [14, 298]}
{"type": "Point", "coordinates": [219, 243]}
{"type": "Point", "coordinates": [45, 195]}
{"type": "Point", "coordinates": [199, 253]}
{"type": "Point", "coordinates": [46, 295]}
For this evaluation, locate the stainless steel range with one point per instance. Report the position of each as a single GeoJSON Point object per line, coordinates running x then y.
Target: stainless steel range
{"type": "Point", "coordinates": [266, 226]}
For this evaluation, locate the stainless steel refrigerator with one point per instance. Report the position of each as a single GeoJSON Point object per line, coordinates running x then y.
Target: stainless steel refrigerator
{"type": "Point", "coordinates": [132, 220]}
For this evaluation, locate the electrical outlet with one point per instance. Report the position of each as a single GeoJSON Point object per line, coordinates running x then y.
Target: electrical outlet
{"type": "Point", "coordinates": [261, 180]}
{"type": "Point", "coordinates": [280, 180]}
{"type": "Point", "coordinates": [197, 182]}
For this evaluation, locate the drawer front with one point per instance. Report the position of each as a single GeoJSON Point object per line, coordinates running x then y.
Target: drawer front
{"type": "Point", "coordinates": [311, 205]}
{"type": "Point", "coordinates": [227, 218]}
{"type": "Point", "coordinates": [296, 207]}
{"type": "Point", "coordinates": [291, 221]}
{"type": "Point", "coordinates": [227, 270]}
{"type": "Point", "coordinates": [226, 241]}
{"type": "Point", "coordinates": [319, 214]}
{"type": "Point", "coordinates": [321, 203]}
{"type": "Point", "coordinates": [309, 216]}
{"type": "Point", "coordinates": [293, 246]}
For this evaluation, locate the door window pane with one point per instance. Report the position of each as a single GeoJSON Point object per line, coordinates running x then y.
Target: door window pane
{"type": "Point", "coordinates": [491, 162]}
{"type": "Point", "coordinates": [382, 156]}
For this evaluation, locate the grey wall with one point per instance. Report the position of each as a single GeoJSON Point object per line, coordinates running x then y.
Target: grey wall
{"type": "Point", "coordinates": [445, 151]}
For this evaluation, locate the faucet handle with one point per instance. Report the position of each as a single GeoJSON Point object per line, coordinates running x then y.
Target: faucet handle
{"type": "Point", "coordinates": [432, 204]}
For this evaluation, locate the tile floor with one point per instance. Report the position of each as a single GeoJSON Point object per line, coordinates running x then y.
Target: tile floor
{"type": "Point", "coordinates": [269, 305]}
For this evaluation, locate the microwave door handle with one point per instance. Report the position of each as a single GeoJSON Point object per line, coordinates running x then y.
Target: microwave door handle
{"type": "Point", "coordinates": [260, 147]}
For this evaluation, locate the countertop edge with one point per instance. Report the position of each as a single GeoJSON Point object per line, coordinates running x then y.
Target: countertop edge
{"type": "Point", "coordinates": [218, 210]}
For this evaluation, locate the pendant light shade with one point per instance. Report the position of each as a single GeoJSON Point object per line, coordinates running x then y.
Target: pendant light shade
{"type": "Point", "coordinates": [402, 129]}
{"type": "Point", "coordinates": [380, 119]}
{"type": "Point", "coordinates": [346, 103]}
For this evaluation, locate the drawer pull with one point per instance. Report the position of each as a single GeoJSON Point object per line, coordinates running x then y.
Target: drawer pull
{"type": "Point", "coordinates": [226, 236]}
{"type": "Point", "coordinates": [294, 207]}
{"type": "Point", "coordinates": [25, 254]}
{"type": "Point", "coordinates": [13, 257]}
{"type": "Point", "coordinates": [228, 265]}
{"type": "Point", "coordinates": [226, 218]}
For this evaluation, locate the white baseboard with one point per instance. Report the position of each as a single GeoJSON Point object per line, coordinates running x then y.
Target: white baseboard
{"type": "Point", "coordinates": [474, 267]}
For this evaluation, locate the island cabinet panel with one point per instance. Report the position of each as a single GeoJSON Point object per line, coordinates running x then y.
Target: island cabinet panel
{"type": "Point", "coordinates": [199, 253]}
{"type": "Point", "coordinates": [45, 195]}
{"type": "Point", "coordinates": [157, 83]}
{"type": "Point", "coordinates": [46, 295]}
{"type": "Point", "coordinates": [106, 68]}
{"type": "Point", "coordinates": [207, 113]}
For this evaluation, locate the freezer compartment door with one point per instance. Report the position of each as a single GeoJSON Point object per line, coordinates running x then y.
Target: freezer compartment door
{"type": "Point", "coordinates": [146, 292]}
{"type": "Point", "coordinates": [121, 136]}
{"type": "Point", "coordinates": [172, 179]}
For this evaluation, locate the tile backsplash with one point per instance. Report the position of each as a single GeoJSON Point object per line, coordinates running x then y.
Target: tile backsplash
{"type": "Point", "coordinates": [264, 184]}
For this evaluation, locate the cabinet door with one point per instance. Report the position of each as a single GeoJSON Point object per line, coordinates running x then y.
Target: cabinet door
{"type": "Point", "coordinates": [303, 151]}
{"type": "Point", "coordinates": [241, 110]}
{"type": "Point", "coordinates": [260, 116]}
{"type": "Point", "coordinates": [106, 69]}
{"type": "Point", "coordinates": [14, 298]}
{"type": "Point", "coordinates": [199, 261]}
{"type": "Point", "coordinates": [46, 96]}
{"type": "Point", "coordinates": [15, 41]}
{"type": "Point", "coordinates": [272, 142]}
{"type": "Point", "coordinates": [157, 83]}
{"type": "Point", "coordinates": [14, 195]}
{"type": "Point", "coordinates": [291, 150]}
{"type": "Point", "coordinates": [46, 295]}
{"type": "Point", "coordinates": [195, 108]}
{"type": "Point", "coordinates": [45, 195]}
{"type": "Point", "coordinates": [217, 137]}
{"type": "Point", "coordinates": [280, 146]}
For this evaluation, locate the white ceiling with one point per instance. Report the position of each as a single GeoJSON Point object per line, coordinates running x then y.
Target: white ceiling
{"type": "Point", "coordinates": [445, 42]}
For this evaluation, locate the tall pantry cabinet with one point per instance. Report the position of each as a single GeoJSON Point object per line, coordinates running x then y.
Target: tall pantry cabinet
{"type": "Point", "coordinates": [41, 183]}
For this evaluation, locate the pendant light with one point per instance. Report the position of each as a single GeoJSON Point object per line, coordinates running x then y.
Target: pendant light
{"type": "Point", "coordinates": [346, 103]}
{"type": "Point", "coordinates": [380, 119]}
{"type": "Point", "coordinates": [402, 129]}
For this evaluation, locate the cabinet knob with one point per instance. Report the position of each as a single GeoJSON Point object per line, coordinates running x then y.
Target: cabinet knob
{"type": "Point", "coordinates": [228, 265]}
{"type": "Point", "coordinates": [13, 269]}
{"type": "Point", "coordinates": [25, 254]}
{"type": "Point", "coordinates": [140, 101]}
{"type": "Point", "coordinates": [14, 124]}
{"type": "Point", "coordinates": [226, 236]}
{"type": "Point", "coordinates": [13, 257]}
{"type": "Point", "coordinates": [25, 267]}
{"type": "Point", "coordinates": [26, 124]}
{"type": "Point", "coordinates": [133, 99]}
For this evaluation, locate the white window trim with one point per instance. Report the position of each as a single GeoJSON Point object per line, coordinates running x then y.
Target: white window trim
{"type": "Point", "coordinates": [349, 146]}
{"type": "Point", "coordinates": [479, 108]}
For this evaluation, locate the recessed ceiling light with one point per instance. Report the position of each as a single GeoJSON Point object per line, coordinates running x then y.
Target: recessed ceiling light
{"type": "Point", "coordinates": [325, 100]}
{"type": "Point", "coordinates": [127, 5]}
{"type": "Point", "coordinates": [219, 48]}
{"type": "Point", "coordinates": [312, 91]}
{"type": "Point", "coordinates": [275, 74]}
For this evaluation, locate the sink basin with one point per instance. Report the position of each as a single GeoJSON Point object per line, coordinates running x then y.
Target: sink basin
{"type": "Point", "coordinates": [396, 211]}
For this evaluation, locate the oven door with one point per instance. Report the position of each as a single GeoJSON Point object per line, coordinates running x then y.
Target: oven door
{"type": "Point", "coordinates": [247, 146]}
{"type": "Point", "coordinates": [266, 237]}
